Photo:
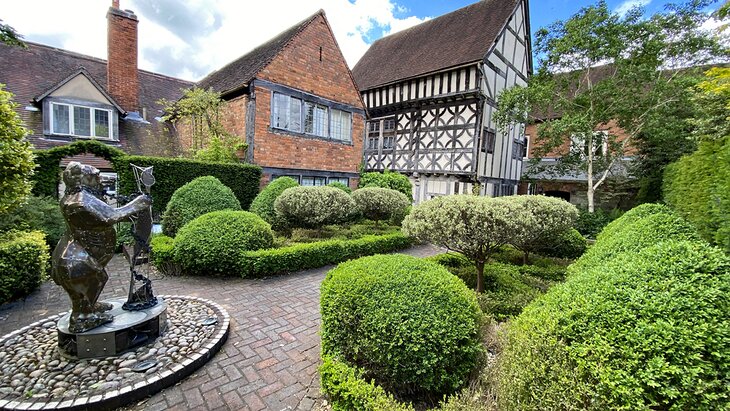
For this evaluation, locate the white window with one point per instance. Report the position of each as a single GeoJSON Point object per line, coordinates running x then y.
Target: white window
{"type": "Point", "coordinates": [341, 125]}
{"type": "Point", "coordinates": [341, 180]}
{"type": "Point", "coordinates": [287, 113]}
{"type": "Point", "coordinates": [388, 142]}
{"type": "Point", "coordinates": [313, 181]}
{"type": "Point", "coordinates": [80, 121]}
{"type": "Point", "coordinates": [580, 145]}
{"type": "Point", "coordinates": [315, 119]}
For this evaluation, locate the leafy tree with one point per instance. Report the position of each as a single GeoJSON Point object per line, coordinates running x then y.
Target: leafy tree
{"type": "Point", "coordinates": [600, 71]}
{"type": "Point", "coordinates": [387, 179]}
{"type": "Point", "coordinates": [9, 36]}
{"type": "Point", "coordinates": [16, 158]}
{"type": "Point", "coordinates": [473, 226]}
{"type": "Point", "coordinates": [201, 110]}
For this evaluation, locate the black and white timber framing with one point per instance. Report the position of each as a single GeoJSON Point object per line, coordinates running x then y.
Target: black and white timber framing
{"type": "Point", "coordinates": [439, 128]}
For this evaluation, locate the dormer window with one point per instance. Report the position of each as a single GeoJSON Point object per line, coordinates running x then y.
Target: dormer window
{"type": "Point", "coordinates": [80, 121]}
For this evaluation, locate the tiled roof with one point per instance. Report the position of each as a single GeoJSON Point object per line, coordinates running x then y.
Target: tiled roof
{"type": "Point", "coordinates": [242, 70]}
{"type": "Point", "coordinates": [460, 37]}
{"type": "Point", "coordinates": [32, 71]}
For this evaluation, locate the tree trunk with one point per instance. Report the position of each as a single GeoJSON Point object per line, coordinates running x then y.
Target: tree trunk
{"type": "Point", "coordinates": [480, 276]}
{"type": "Point", "coordinates": [525, 258]}
{"type": "Point", "coordinates": [591, 206]}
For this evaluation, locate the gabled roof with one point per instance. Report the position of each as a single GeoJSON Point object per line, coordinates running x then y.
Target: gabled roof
{"type": "Point", "coordinates": [81, 71]}
{"type": "Point", "coordinates": [460, 37]}
{"type": "Point", "coordinates": [37, 69]}
{"type": "Point", "coordinates": [241, 71]}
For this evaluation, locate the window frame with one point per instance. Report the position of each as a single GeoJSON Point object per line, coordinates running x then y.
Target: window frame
{"type": "Point", "coordinates": [344, 136]}
{"type": "Point", "coordinates": [72, 121]}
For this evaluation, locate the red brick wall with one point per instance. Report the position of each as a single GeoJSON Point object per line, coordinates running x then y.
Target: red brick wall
{"type": "Point", "coordinates": [612, 128]}
{"type": "Point", "coordinates": [122, 75]}
{"type": "Point", "coordinates": [299, 66]}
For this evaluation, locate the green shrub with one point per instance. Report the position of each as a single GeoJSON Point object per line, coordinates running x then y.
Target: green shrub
{"type": "Point", "coordinates": [388, 179]}
{"type": "Point", "coordinates": [411, 325]}
{"type": "Point", "coordinates": [314, 207]}
{"type": "Point", "coordinates": [263, 204]}
{"type": "Point", "coordinates": [337, 184]}
{"type": "Point", "coordinates": [23, 263]}
{"type": "Point", "coordinates": [546, 219]}
{"type": "Point", "coordinates": [590, 224]}
{"type": "Point", "coordinates": [698, 188]}
{"type": "Point", "coordinates": [348, 391]}
{"type": "Point", "coordinates": [36, 214]}
{"type": "Point", "coordinates": [645, 329]}
{"type": "Point", "coordinates": [378, 204]}
{"type": "Point", "coordinates": [200, 196]}
{"type": "Point", "coordinates": [639, 228]}
{"type": "Point", "coordinates": [569, 244]}
{"type": "Point", "coordinates": [163, 249]}
{"type": "Point", "coordinates": [298, 257]}
{"type": "Point", "coordinates": [216, 243]}
{"type": "Point", "coordinates": [16, 157]}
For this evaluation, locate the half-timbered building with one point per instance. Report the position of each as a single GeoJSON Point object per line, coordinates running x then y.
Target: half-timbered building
{"type": "Point", "coordinates": [431, 92]}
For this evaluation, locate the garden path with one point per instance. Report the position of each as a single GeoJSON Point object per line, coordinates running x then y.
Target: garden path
{"type": "Point", "coordinates": [270, 359]}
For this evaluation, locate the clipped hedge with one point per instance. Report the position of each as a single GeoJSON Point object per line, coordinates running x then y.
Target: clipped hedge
{"type": "Point", "coordinates": [376, 203]}
{"type": "Point", "coordinates": [698, 188]}
{"type": "Point", "coordinates": [314, 207]}
{"type": "Point", "coordinates": [170, 173]}
{"type": "Point", "coordinates": [24, 260]}
{"type": "Point", "coordinates": [173, 173]}
{"type": "Point", "coordinates": [387, 179]}
{"type": "Point", "coordinates": [272, 261]}
{"type": "Point", "coordinates": [411, 325]}
{"type": "Point", "coordinates": [348, 391]}
{"type": "Point", "coordinates": [215, 243]}
{"type": "Point", "coordinates": [263, 204]}
{"type": "Point", "coordinates": [200, 196]}
{"type": "Point", "coordinates": [569, 244]}
{"type": "Point", "coordinates": [163, 250]}
{"type": "Point", "coordinates": [640, 323]}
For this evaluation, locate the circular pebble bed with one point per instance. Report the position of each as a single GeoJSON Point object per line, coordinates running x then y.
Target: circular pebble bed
{"type": "Point", "coordinates": [33, 375]}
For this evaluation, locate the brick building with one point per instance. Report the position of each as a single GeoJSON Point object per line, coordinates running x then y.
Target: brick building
{"type": "Point", "coordinates": [431, 92]}
{"type": "Point", "coordinates": [295, 101]}
{"type": "Point", "coordinates": [65, 97]}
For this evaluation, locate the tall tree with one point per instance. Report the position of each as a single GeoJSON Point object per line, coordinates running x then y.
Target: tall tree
{"type": "Point", "coordinates": [16, 158]}
{"type": "Point", "coordinates": [600, 72]}
{"type": "Point", "coordinates": [9, 36]}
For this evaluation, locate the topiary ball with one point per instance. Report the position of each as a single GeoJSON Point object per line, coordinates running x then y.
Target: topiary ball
{"type": "Point", "coordinates": [263, 204]}
{"type": "Point", "coordinates": [215, 243]}
{"type": "Point", "coordinates": [314, 207]}
{"type": "Point", "coordinates": [410, 324]}
{"type": "Point", "coordinates": [377, 203]}
{"type": "Point", "coordinates": [200, 196]}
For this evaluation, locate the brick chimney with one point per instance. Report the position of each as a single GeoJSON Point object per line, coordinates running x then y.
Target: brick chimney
{"type": "Point", "coordinates": [121, 69]}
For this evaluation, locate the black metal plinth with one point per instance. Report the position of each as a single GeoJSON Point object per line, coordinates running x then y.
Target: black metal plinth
{"type": "Point", "coordinates": [128, 330]}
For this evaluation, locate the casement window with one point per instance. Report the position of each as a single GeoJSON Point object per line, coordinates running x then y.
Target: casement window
{"type": "Point", "coordinates": [519, 149]}
{"type": "Point", "coordinates": [372, 143]}
{"type": "Point", "coordinates": [341, 125]}
{"type": "Point", "coordinates": [81, 121]}
{"type": "Point", "coordinates": [388, 142]}
{"type": "Point", "coordinates": [579, 144]}
{"type": "Point", "coordinates": [526, 147]}
{"type": "Point", "coordinates": [381, 129]}
{"type": "Point", "coordinates": [313, 181]}
{"type": "Point", "coordinates": [341, 180]}
{"type": "Point", "coordinates": [307, 117]}
{"type": "Point", "coordinates": [489, 140]}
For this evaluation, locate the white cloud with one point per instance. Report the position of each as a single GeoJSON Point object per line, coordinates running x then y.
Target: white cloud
{"type": "Point", "coordinates": [223, 29]}
{"type": "Point", "coordinates": [627, 5]}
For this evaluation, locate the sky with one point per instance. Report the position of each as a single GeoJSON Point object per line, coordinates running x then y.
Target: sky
{"type": "Point", "coordinates": [190, 39]}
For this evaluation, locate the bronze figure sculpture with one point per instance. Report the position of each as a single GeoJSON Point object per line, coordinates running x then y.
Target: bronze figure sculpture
{"type": "Point", "coordinates": [80, 258]}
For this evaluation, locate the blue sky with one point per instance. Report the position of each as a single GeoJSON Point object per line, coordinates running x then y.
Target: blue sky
{"type": "Point", "coordinates": [189, 39]}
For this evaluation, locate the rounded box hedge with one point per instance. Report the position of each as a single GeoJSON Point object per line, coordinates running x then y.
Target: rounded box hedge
{"type": "Point", "coordinates": [263, 204]}
{"type": "Point", "coordinates": [216, 243]}
{"type": "Point", "coordinates": [200, 196]}
{"type": "Point", "coordinates": [376, 203]}
{"type": "Point", "coordinates": [647, 329]}
{"type": "Point", "coordinates": [408, 323]}
{"type": "Point", "coordinates": [24, 262]}
{"type": "Point", "coordinates": [314, 207]}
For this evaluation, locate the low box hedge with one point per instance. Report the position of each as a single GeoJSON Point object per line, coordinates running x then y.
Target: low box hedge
{"type": "Point", "coordinates": [272, 261]}
{"type": "Point", "coordinates": [24, 259]}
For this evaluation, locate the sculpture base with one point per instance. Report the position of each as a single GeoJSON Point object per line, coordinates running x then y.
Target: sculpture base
{"type": "Point", "coordinates": [128, 330]}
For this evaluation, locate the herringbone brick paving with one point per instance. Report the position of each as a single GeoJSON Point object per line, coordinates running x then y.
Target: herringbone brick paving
{"type": "Point", "coordinates": [270, 359]}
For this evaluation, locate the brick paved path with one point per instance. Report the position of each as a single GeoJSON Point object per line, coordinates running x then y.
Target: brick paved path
{"type": "Point", "coordinates": [270, 359]}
